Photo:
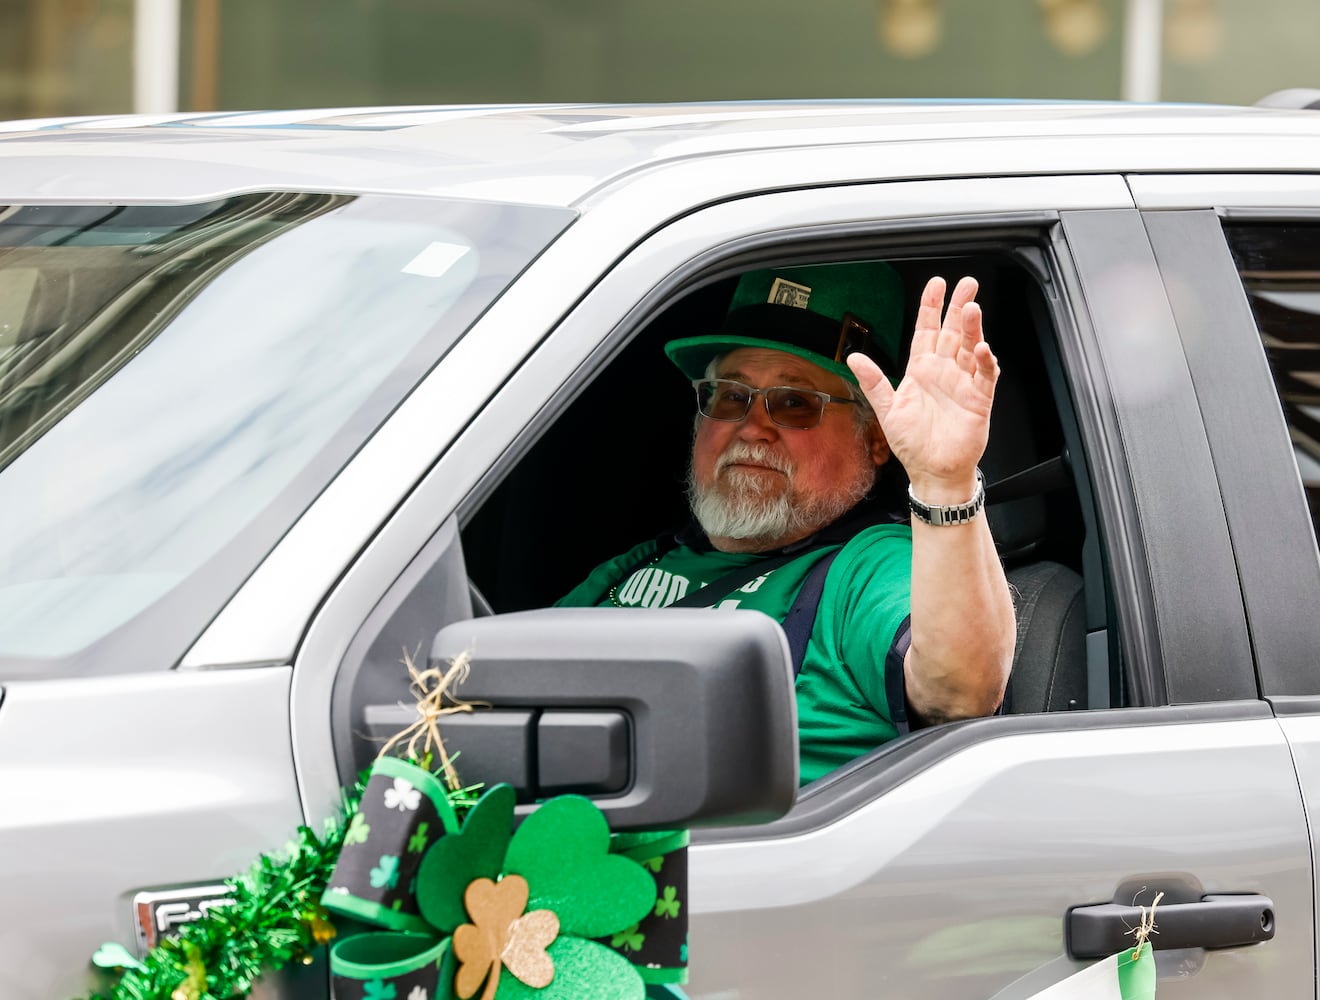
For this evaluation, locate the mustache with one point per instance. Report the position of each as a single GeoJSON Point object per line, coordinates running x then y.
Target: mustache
{"type": "Point", "coordinates": [756, 454]}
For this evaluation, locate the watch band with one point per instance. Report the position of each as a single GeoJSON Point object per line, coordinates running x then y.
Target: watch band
{"type": "Point", "coordinates": [942, 514]}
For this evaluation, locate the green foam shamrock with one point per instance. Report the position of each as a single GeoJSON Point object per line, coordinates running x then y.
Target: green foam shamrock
{"type": "Point", "coordinates": [564, 887]}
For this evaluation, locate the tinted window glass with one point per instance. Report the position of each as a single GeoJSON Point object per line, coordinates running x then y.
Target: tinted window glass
{"type": "Point", "coordinates": [1280, 268]}
{"type": "Point", "coordinates": [178, 383]}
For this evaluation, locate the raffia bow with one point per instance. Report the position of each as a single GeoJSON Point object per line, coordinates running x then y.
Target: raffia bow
{"type": "Point", "coordinates": [432, 688]}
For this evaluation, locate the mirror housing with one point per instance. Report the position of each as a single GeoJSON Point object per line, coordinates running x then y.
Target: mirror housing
{"type": "Point", "coordinates": [665, 718]}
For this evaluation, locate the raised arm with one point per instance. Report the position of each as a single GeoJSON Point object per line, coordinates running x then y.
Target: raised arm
{"type": "Point", "coordinates": [937, 423]}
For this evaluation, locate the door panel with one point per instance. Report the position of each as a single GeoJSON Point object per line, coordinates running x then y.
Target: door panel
{"type": "Point", "coordinates": [1303, 734]}
{"type": "Point", "coordinates": [200, 781]}
{"type": "Point", "coordinates": [956, 883]}
{"type": "Point", "coordinates": [1242, 252]}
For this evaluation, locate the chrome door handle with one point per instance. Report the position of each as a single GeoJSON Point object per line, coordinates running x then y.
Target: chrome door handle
{"type": "Point", "coordinates": [1217, 921]}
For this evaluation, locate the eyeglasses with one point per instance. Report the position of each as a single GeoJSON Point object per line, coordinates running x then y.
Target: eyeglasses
{"type": "Point", "coordinates": [725, 399]}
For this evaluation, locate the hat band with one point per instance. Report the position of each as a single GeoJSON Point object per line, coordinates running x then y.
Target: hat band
{"type": "Point", "coordinates": [831, 339]}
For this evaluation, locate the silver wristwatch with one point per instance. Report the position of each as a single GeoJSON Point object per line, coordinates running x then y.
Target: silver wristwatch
{"type": "Point", "coordinates": [958, 513]}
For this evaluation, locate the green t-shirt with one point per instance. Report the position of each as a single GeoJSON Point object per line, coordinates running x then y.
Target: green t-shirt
{"type": "Point", "coordinates": [843, 707]}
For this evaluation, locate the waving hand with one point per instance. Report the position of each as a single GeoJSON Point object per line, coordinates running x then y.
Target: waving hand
{"type": "Point", "coordinates": [937, 421]}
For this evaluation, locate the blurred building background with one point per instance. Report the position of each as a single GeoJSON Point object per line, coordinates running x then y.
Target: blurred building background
{"type": "Point", "coordinates": [70, 57]}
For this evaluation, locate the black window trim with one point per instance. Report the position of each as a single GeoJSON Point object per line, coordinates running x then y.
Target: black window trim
{"type": "Point", "coordinates": [1174, 580]}
{"type": "Point", "coordinates": [1269, 523]}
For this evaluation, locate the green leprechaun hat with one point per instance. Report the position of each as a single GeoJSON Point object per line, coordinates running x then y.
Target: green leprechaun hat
{"type": "Point", "coordinates": [820, 312]}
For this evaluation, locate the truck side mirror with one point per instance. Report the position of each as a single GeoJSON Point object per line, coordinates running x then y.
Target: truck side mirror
{"type": "Point", "coordinates": [674, 717]}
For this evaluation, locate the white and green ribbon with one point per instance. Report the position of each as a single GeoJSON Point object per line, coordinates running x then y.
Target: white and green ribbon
{"type": "Point", "coordinates": [1125, 976]}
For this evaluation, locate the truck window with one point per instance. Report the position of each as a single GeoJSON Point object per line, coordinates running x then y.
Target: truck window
{"type": "Point", "coordinates": [1281, 274]}
{"type": "Point", "coordinates": [601, 479]}
{"type": "Point", "coordinates": [178, 383]}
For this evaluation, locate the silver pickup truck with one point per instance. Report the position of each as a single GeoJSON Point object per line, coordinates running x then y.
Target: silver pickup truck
{"type": "Point", "coordinates": [287, 395]}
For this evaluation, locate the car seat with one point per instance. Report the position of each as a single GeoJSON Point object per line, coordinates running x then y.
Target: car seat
{"type": "Point", "coordinates": [1049, 661]}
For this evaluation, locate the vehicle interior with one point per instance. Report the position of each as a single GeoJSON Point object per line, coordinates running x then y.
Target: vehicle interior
{"type": "Point", "coordinates": [606, 469]}
{"type": "Point", "coordinates": [611, 473]}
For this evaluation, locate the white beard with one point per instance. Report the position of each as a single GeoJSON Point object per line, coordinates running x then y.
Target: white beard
{"type": "Point", "coordinates": [751, 506]}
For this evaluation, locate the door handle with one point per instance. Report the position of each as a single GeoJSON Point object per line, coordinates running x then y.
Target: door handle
{"type": "Point", "coordinates": [1216, 921]}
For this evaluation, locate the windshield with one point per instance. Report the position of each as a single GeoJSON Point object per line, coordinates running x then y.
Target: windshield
{"type": "Point", "coordinates": [177, 383]}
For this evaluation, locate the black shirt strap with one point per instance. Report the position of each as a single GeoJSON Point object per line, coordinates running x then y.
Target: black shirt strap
{"type": "Point", "coordinates": [895, 685]}
{"type": "Point", "coordinates": [801, 617]}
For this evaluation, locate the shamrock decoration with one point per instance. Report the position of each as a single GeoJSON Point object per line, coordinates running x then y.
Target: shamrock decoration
{"type": "Point", "coordinates": [418, 841]}
{"type": "Point", "coordinates": [402, 796]}
{"type": "Point", "coordinates": [629, 939]}
{"type": "Point", "coordinates": [402, 811]}
{"type": "Point", "coordinates": [668, 904]}
{"type": "Point", "coordinates": [500, 931]}
{"type": "Point", "coordinates": [113, 955]}
{"type": "Point", "coordinates": [529, 904]}
{"type": "Point", "coordinates": [561, 909]}
{"type": "Point", "coordinates": [358, 830]}
{"type": "Point", "coordinates": [386, 873]}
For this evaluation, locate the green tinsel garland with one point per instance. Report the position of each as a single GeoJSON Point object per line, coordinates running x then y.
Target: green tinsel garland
{"type": "Point", "coordinates": [276, 918]}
